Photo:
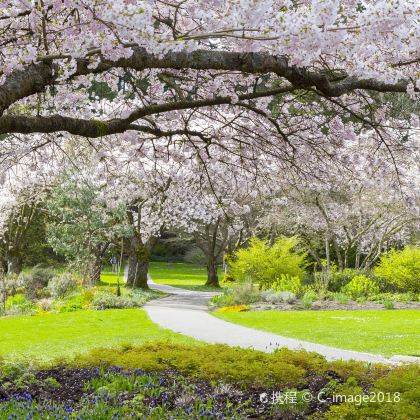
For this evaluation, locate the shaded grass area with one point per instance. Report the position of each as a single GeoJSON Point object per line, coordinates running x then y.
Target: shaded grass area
{"type": "Point", "coordinates": [50, 336]}
{"type": "Point", "coordinates": [380, 332]}
{"type": "Point", "coordinates": [183, 275]}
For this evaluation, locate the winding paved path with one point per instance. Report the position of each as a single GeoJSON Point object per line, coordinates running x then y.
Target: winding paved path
{"type": "Point", "coordinates": [186, 312]}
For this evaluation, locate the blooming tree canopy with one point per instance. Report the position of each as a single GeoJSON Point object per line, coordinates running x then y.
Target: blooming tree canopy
{"type": "Point", "coordinates": [94, 68]}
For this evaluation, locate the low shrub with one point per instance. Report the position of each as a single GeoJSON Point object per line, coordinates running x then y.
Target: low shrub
{"type": "Point", "coordinates": [70, 304]}
{"type": "Point", "coordinates": [131, 299]}
{"type": "Point", "coordinates": [18, 304]}
{"type": "Point", "coordinates": [361, 287]}
{"type": "Point", "coordinates": [396, 297]}
{"type": "Point", "coordinates": [338, 279]}
{"type": "Point", "coordinates": [272, 296]}
{"type": "Point", "coordinates": [388, 304]}
{"type": "Point", "coordinates": [60, 286]}
{"type": "Point", "coordinates": [239, 294]}
{"type": "Point", "coordinates": [341, 298]}
{"type": "Point", "coordinates": [239, 367]}
{"type": "Point", "coordinates": [401, 268]}
{"type": "Point", "coordinates": [396, 395]}
{"type": "Point", "coordinates": [45, 305]}
{"type": "Point", "coordinates": [104, 300]}
{"type": "Point", "coordinates": [287, 283]}
{"type": "Point", "coordinates": [34, 281]}
{"type": "Point", "coordinates": [308, 299]}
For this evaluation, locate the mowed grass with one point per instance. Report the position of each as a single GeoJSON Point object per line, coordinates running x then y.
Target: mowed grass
{"type": "Point", "coordinates": [50, 336]}
{"type": "Point", "coordinates": [109, 277]}
{"type": "Point", "coordinates": [185, 275]}
{"type": "Point", "coordinates": [380, 332]}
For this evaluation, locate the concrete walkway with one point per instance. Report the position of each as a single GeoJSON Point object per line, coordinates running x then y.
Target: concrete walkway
{"type": "Point", "coordinates": [185, 312]}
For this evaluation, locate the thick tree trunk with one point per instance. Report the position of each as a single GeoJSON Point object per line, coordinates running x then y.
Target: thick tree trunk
{"type": "Point", "coordinates": [212, 277]}
{"type": "Point", "coordinates": [95, 274]}
{"type": "Point", "coordinates": [138, 264]}
{"type": "Point", "coordinates": [14, 264]}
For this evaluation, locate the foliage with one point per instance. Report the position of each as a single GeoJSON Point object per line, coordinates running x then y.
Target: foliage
{"type": "Point", "coordinates": [236, 308]}
{"type": "Point", "coordinates": [133, 299]}
{"type": "Point", "coordinates": [401, 395]}
{"type": "Point", "coordinates": [18, 304]}
{"type": "Point", "coordinates": [341, 298]}
{"type": "Point", "coordinates": [338, 279]}
{"type": "Point", "coordinates": [263, 265]}
{"type": "Point", "coordinates": [401, 268]}
{"type": "Point", "coordinates": [308, 299]}
{"type": "Point", "coordinates": [287, 283]}
{"type": "Point", "coordinates": [238, 294]}
{"type": "Point", "coordinates": [195, 256]}
{"type": "Point", "coordinates": [211, 362]}
{"type": "Point", "coordinates": [35, 280]}
{"type": "Point", "coordinates": [361, 287]}
{"type": "Point", "coordinates": [62, 285]}
{"type": "Point", "coordinates": [273, 296]}
{"type": "Point", "coordinates": [80, 222]}
{"type": "Point", "coordinates": [388, 304]}
{"type": "Point", "coordinates": [396, 297]}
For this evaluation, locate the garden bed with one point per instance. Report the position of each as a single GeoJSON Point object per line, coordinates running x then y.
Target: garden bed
{"type": "Point", "coordinates": [330, 305]}
{"type": "Point", "coordinates": [163, 381]}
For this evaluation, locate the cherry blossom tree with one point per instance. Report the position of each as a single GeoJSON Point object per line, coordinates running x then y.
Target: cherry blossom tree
{"type": "Point", "coordinates": [355, 208]}
{"type": "Point", "coordinates": [165, 64]}
{"type": "Point", "coordinates": [23, 189]}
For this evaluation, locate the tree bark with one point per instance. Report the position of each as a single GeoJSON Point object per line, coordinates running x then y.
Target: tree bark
{"type": "Point", "coordinates": [212, 277]}
{"type": "Point", "coordinates": [138, 263]}
{"type": "Point", "coordinates": [14, 264]}
{"type": "Point", "coordinates": [95, 274]}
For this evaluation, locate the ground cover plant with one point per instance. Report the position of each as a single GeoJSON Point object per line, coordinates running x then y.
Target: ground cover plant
{"type": "Point", "coordinates": [163, 381]}
{"type": "Point", "coordinates": [380, 332]}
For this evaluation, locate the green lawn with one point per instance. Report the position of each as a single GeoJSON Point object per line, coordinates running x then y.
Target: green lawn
{"type": "Point", "coordinates": [185, 275]}
{"type": "Point", "coordinates": [109, 277]}
{"type": "Point", "coordinates": [45, 337]}
{"type": "Point", "coordinates": [380, 332]}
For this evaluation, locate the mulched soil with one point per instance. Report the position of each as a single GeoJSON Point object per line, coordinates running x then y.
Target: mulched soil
{"type": "Point", "coordinates": [329, 305]}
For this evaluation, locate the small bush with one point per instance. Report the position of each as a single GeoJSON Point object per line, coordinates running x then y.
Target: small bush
{"type": "Point", "coordinates": [338, 279]}
{"type": "Point", "coordinates": [104, 300]}
{"type": "Point", "coordinates": [401, 268]}
{"type": "Point", "coordinates": [60, 286]}
{"type": "Point", "coordinates": [388, 304]}
{"type": "Point", "coordinates": [287, 283]}
{"type": "Point", "coordinates": [341, 298]}
{"type": "Point", "coordinates": [35, 281]}
{"type": "Point", "coordinates": [239, 294]}
{"type": "Point", "coordinates": [308, 299]}
{"type": "Point", "coordinates": [361, 287]}
{"type": "Point", "coordinates": [45, 305]}
{"type": "Point", "coordinates": [272, 296]}
{"type": "Point", "coordinates": [18, 304]}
